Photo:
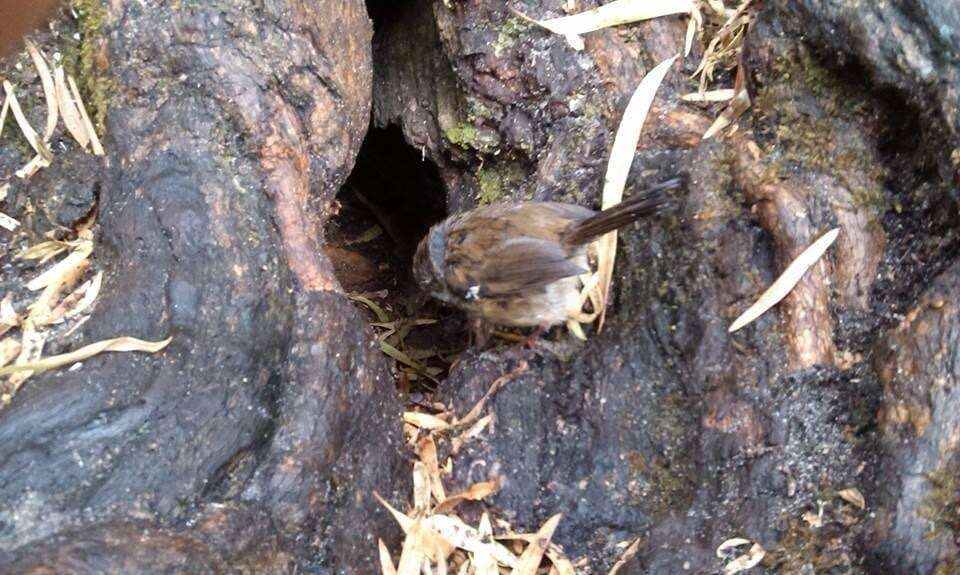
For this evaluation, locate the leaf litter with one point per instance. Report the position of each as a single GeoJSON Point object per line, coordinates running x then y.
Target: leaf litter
{"type": "Point", "coordinates": [436, 538]}
{"type": "Point", "coordinates": [59, 301]}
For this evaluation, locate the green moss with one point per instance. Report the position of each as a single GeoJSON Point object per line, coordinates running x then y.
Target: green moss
{"type": "Point", "coordinates": [491, 186]}
{"type": "Point", "coordinates": [81, 60]}
{"type": "Point", "coordinates": [462, 135]}
{"type": "Point", "coordinates": [942, 506]}
{"type": "Point", "coordinates": [803, 104]}
{"type": "Point", "coordinates": [470, 137]}
{"type": "Point", "coordinates": [508, 34]}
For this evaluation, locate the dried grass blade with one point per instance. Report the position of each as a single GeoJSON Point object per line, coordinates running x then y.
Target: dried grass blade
{"type": "Point", "coordinates": [91, 131]}
{"type": "Point", "coordinates": [483, 561]}
{"type": "Point", "coordinates": [49, 92]}
{"type": "Point", "coordinates": [853, 496]}
{"type": "Point", "coordinates": [748, 560]}
{"type": "Point", "coordinates": [61, 268]}
{"type": "Point", "coordinates": [721, 95]}
{"type": "Point", "coordinates": [736, 108]}
{"type": "Point", "coordinates": [427, 452]}
{"type": "Point", "coordinates": [787, 280]}
{"type": "Point", "coordinates": [629, 553]}
{"type": "Point", "coordinates": [43, 251]}
{"type": "Point", "coordinates": [28, 132]}
{"type": "Point", "coordinates": [386, 562]}
{"type": "Point", "coordinates": [88, 351]}
{"type": "Point", "coordinates": [618, 167]}
{"type": "Point", "coordinates": [461, 535]}
{"type": "Point", "coordinates": [405, 522]}
{"type": "Point", "coordinates": [421, 489]}
{"type": "Point", "coordinates": [3, 113]}
{"type": "Point", "coordinates": [533, 554]}
{"type": "Point", "coordinates": [382, 316]}
{"type": "Point", "coordinates": [561, 564]}
{"type": "Point", "coordinates": [9, 349]}
{"type": "Point", "coordinates": [411, 556]}
{"type": "Point", "coordinates": [9, 318]}
{"type": "Point", "coordinates": [31, 348]}
{"type": "Point", "coordinates": [41, 311]}
{"type": "Point", "coordinates": [8, 223]}
{"type": "Point", "coordinates": [69, 111]}
{"type": "Point", "coordinates": [87, 294]}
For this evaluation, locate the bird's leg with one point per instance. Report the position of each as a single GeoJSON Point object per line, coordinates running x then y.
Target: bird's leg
{"type": "Point", "coordinates": [535, 335]}
{"type": "Point", "coordinates": [480, 332]}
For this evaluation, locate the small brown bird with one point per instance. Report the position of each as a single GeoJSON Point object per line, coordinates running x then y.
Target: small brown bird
{"type": "Point", "coordinates": [518, 264]}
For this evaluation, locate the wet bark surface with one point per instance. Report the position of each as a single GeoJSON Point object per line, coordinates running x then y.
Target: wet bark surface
{"type": "Point", "coordinates": [254, 441]}
{"type": "Point", "coordinates": [664, 427]}
{"type": "Point", "coordinates": [257, 436]}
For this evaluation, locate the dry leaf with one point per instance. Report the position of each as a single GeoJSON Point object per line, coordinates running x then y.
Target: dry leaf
{"type": "Point", "coordinates": [28, 132]}
{"type": "Point", "coordinates": [386, 563]}
{"type": "Point", "coordinates": [533, 554]}
{"type": "Point", "coordinates": [427, 451]}
{"type": "Point", "coordinates": [421, 489]}
{"type": "Point", "coordinates": [63, 267]}
{"type": "Point", "coordinates": [736, 108]}
{"type": "Point", "coordinates": [726, 45]}
{"type": "Point", "coordinates": [31, 348]}
{"type": "Point", "coordinates": [68, 109]}
{"type": "Point", "coordinates": [86, 352]}
{"type": "Point", "coordinates": [8, 223]}
{"type": "Point", "coordinates": [44, 157]}
{"type": "Point", "coordinates": [750, 559]}
{"type": "Point", "coordinates": [9, 349]}
{"type": "Point", "coordinates": [425, 420]}
{"type": "Point", "coordinates": [853, 496]}
{"type": "Point", "coordinates": [618, 167]}
{"type": "Point", "coordinates": [787, 280]}
{"type": "Point", "coordinates": [41, 310]}
{"type": "Point", "coordinates": [91, 132]}
{"type": "Point", "coordinates": [3, 114]}
{"type": "Point", "coordinates": [406, 523]}
{"type": "Point", "coordinates": [483, 561]}
{"type": "Point", "coordinates": [629, 553]}
{"type": "Point", "coordinates": [382, 316]}
{"type": "Point", "coordinates": [411, 556]}
{"type": "Point", "coordinates": [475, 492]}
{"type": "Point", "coordinates": [79, 301]}
{"type": "Point", "coordinates": [459, 534]}
{"type": "Point", "coordinates": [49, 92]}
{"type": "Point", "coordinates": [44, 251]}
{"type": "Point", "coordinates": [612, 14]}
{"type": "Point", "coordinates": [9, 318]}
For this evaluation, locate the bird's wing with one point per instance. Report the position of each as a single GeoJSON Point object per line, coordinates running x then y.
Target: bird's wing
{"type": "Point", "coordinates": [517, 266]}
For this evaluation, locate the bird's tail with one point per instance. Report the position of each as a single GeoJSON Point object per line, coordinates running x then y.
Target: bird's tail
{"type": "Point", "coordinates": [638, 205]}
